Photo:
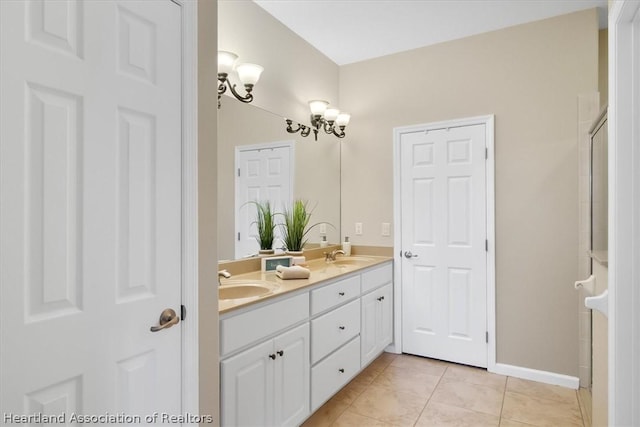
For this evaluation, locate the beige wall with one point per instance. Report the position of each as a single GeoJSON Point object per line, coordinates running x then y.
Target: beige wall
{"type": "Point", "coordinates": [529, 76]}
{"type": "Point", "coordinates": [207, 248]}
{"type": "Point", "coordinates": [294, 71]}
{"type": "Point", "coordinates": [603, 66]}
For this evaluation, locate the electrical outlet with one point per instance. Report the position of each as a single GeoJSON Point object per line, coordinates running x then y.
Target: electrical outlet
{"type": "Point", "coordinates": [323, 229]}
{"type": "Point", "coordinates": [358, 229]}
{"type": "Point", "coordinates": [386, 229]}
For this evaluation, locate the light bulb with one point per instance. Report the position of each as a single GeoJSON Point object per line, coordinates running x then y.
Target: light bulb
{"type": "Point", "coordinates": [331, 114]}
{"type": "Point", "coordinates": [249, 74]}
{"type": "Point", "coordinates": [317, 107]}
{"type": "Point", "coordinates": [226, 61]}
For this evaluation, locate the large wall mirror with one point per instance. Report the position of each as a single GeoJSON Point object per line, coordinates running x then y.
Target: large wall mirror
{"type": "Point", "coordinates": [248, 135]}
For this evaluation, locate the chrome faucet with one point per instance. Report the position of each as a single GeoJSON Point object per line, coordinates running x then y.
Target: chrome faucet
{"type": "Point", "coordinates": [331, 256]}
{"type": "Point", "coordinates": [223, 273]}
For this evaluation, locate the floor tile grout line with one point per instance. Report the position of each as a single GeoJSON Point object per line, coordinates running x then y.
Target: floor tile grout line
{"type": "Point", "coordinates": [504, 395]}
{"type": "Point", "coordinates": [431, 395]}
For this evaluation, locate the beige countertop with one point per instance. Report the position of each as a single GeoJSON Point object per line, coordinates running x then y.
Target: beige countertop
{"type": "Point", "coordinates": [320, 271]}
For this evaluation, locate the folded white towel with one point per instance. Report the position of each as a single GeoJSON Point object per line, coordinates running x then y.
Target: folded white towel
{"type": "Point", "coordinates": [295, 272]}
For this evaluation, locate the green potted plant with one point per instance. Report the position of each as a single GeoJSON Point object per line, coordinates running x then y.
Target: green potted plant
{"type": "Point", "coordinates": [296, 226]}
{"type": "Point", "coordinates": [266, 225]}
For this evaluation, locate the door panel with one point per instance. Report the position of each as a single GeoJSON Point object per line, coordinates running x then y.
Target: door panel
{"type": "Point", "coordinates": [292, 377]}
{"type": "Point", "coordinates": [90, 228]}
{"type": "Point", "coordinates": [443, 226]}
{"type": "Point", "coordinates": [263, 174]}
{"type": "Point", "coordinates": [247, 380]}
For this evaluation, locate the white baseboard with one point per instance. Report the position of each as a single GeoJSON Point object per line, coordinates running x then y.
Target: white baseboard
{"type": "Point", "coordinates": [535, 375]}
{"type": "Point", "coordinates": [392, 348]}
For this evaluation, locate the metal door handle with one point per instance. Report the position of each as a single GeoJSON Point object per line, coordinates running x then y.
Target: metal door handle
{"type": "Point", "coordinates": [408, 254]}
{"type": "Point", "coordinates": [168, 318]}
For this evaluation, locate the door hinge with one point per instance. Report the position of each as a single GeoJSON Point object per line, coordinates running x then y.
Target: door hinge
{"type": "Point", "coordinates": [486, 245]}
{"type": "Point", "coordinates": [238, 237]}
{"type": "Point", "coordinates": [486, 337]}
{"type": "Point", "coordinates": [238, 171]}
{"type": "Point", "coordinates": [183, 312]}
{"type": "Point", "coordinates": [486, 153]}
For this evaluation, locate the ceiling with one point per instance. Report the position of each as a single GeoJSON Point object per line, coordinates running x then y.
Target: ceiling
{"type": "Point", "coordinates": [350, 31]}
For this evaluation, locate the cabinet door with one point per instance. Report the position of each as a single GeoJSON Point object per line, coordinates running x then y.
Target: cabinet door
{"type": "Point", "coordinates": [384, 330]}
{"type": "Point", "coordinates": [369, 309]}
{"type": "Point", "coordinates": [247, 387]}
{"type": "Point", "coordinates": [291, 405]}
{"type": "Point", "coordinates": [377, 322]}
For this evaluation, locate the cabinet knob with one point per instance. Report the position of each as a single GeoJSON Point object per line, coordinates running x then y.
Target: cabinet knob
{"type": "Point", "coordinates": [341, 328]}
{"type": "Point", "coordinates": [280, 353]}
{"type": "Point", "coordinates": [380, 298]}
{"type": "Point", "coordinates": [341, 294]}
{"type": "Point", "coordinates": [341, 370]}
{"type": "Point", "coordinates": [272, 356]}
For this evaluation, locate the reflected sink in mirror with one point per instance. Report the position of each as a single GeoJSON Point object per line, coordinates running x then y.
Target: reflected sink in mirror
{"type": "Point", "coordinates": [240, 289]}
{"type": "Point", "coordinates": [352, 260]}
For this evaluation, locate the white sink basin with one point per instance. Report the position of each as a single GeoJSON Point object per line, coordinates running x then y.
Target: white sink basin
{"type": "Point", "coordinates": [239, 289]}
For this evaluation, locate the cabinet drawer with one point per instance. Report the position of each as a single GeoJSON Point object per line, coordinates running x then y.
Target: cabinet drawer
{"type": "Point", "coordinates": [377, 277]}
{"type": "Point", "coordinates": [334, 372]}
{"type": "Point", "coordinates": [334, 294]}
{"type": "Point", "coordinates": [333, 329]}
{"type": "Point", "coordinates": [243, 329]}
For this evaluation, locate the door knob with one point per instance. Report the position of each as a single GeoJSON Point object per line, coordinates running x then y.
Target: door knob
{"type": "Point", "coordinates": [168, 318]}
{"type": "Point", "coordinates": [408, 254]}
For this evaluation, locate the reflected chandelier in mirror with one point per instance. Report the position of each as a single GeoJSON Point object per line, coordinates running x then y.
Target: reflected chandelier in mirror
{"type": "Point", "coordinates": [331, 120]}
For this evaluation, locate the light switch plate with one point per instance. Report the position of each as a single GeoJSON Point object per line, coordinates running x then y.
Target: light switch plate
{"type": "Point", "coordinates": [386, 229]}
{"type": "Point", "coordinates": [323, 229]}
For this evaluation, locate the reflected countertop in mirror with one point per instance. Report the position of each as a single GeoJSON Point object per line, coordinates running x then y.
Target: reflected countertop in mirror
{"type": "Point", "coordinates": [315, 173]}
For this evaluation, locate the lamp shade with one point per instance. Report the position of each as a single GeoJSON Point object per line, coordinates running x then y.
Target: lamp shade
{"type": "Point", "coordinates": [343, 119]}
{"type": "Point", "coordinates": [249, 74]}
{"type": "Point", "coordinates": [226, 61]}
{"type": "Point", "coordinates": [318, 107]}
{"type": "Point", "coordinates": [331, 114]}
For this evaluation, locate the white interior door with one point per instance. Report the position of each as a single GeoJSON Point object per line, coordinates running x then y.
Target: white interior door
{"type": "Point", "coordinates": [263, 173]}
{"type": "Point", "coordinates": [624, 213]}
{"type": "Point", "coordinates": [90, 224]}
{"type": "Point", "coordinates": [443, 234]}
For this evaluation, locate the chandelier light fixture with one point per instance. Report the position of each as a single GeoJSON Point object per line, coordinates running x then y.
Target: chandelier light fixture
{"type": "Point", "coordinates": [248, 74]}
{"type": "Point", "coordinates": [323, 117]}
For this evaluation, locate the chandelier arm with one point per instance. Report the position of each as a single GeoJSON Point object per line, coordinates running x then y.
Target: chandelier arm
{"type": "Point", "coordinates": [247, 98]}
{"type": "Point", "coordinates": [341, 134]}
{"type": "Point", "coordinates": [290, 128]}
{"type": "Point", "coordinates": [328, 127]}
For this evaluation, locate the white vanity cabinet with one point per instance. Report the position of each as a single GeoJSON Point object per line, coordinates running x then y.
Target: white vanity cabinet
{"type": "Point", "coordinates": [376, 331]}
{"type": "Point", "coordinates": [268, 384]}
{"type": "Point", "coordinates": [283, 358]}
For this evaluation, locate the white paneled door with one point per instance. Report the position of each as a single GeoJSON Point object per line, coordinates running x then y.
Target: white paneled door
{"type": "Point", "coordinates": [443, 234]}
{"type": "Point", "coordinates": [264, 173]}
{"type": "Point", "coordinates": [90, 225]}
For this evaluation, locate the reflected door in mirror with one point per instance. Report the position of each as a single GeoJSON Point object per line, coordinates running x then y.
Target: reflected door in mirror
{"type": "Point", "coordinates": [264, 174]}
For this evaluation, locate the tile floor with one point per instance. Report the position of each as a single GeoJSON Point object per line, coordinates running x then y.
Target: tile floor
{"type": "Point", "coordinates": [404, 390]}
